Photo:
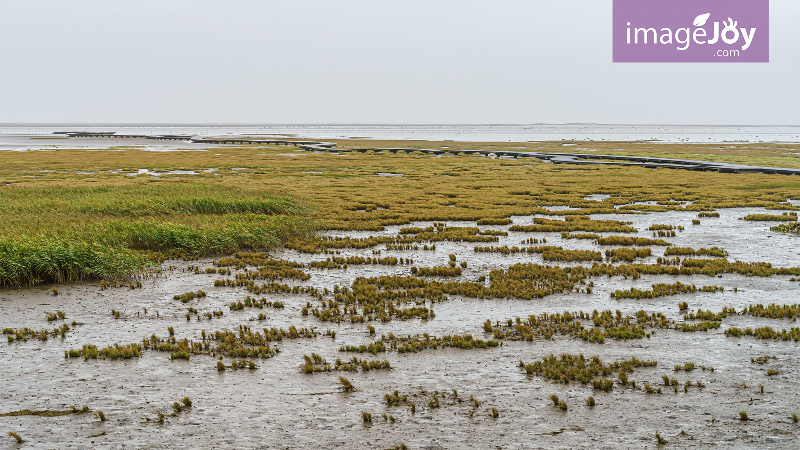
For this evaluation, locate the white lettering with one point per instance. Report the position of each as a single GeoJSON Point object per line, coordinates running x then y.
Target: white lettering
{"type": "Point", "coordinates": [678, 38]}
{"type": "Point", "coordinates": [716, 34]}
{"type": "Point", "coordinates": [667, 35]}
{"type": "Point", "coordinates": [697, 34]}
{"type": "Point", "coordinates": [748, 39]}
{"type": "Point", "coordinates": [646, 30]}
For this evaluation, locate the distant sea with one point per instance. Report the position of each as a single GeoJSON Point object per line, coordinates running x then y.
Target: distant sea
{"type": "Point", "coordinates": [469, 133]}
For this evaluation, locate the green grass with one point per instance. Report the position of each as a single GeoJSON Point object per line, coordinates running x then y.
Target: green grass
{"type": "Point", "coordinates": [66, 234]}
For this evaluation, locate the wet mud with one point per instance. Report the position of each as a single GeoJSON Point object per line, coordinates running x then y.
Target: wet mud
{"type": "Point", "coordinates": [278, 406]}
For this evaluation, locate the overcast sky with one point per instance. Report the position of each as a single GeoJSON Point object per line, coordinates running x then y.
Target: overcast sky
{"type": "Point", "coordinates": [367, 62]}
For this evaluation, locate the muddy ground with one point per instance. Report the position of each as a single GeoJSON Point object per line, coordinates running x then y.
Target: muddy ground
{"type": "Point", "coordinates": [277, 406]}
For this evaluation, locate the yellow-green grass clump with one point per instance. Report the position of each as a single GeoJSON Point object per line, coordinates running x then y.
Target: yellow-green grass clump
{"type": "Point", "coordinates": [792, 334]}
{"type": "Point", "coordinates": [90, 351]}
{"type": "Point", "coordinates": [49, 412]}
{"type": "Point", "coordinates": [629, 241]}
{"type": "Point", "coordinates": [773, 311]}
{"type": "Point", "coordinates": [188, 296]}
{"type": "Point", "coordinates": [494, 221]}
{"type": "Point", "coordinates": [365, 365]}
{"type": "Point", "coordinates": [342, 262]}
{"type": "Point", "coordinates": [347, 386]}
{"type": "Point", "coordinates": [606, 324]}
{"type": "Point", "coordinates": [414, 344]}
{"type": "Point", "coordinates": [707, 315]}
{"type": "Point", "coordinates": [552, 253]}
{"type": "Point", "coordinates": [243, 344]}
{"type": "Point", "coordinates": [785, 217]}
{"type": "Point", "coordinates": [663, 289]}
{"type": "Point", "coordinates": [788, 228]}
{"type": "Point", "coordinates": [574, 223]}
{"type": "Point", "coordinates": [566, 368]}
{"type": "Point", "coordinates": [627, 254]}
{"type": "Point", "coordinates": [406, 237]}
{"type": "Point", "coordinates": [688, 251]}
{"type": "Point", "coordinates": [250, 302]}
{"type": "Point", "coordinates": [23, 334]}
{"type": "Point", "coordinates": [58, 315]}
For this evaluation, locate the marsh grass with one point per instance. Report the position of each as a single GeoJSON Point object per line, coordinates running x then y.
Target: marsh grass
{"type": "Point", "coordinates": [23, 334]}
{"type": "Point", "coordinates": [48, 412]}
{"type": "Point", "coordinates": [116, 351]}
{"type": "Point", "coordinates": [16, 436]}
{"type": "Point", "coordinates": [116, 233]}
{"type": "Point", "coordinates": [785, 217]}
{"type": "Point", "coordinates": [663, 289]}
{"type": "Point", "coordinates": [346, 385]}
{"type": "Point", "coordinates": [567, 367]}
{"type": "Point", "coordinates": [606, 324]}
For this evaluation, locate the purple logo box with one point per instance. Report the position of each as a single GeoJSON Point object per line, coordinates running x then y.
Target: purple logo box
{"type": "Point", "coordinates": [691, 30]}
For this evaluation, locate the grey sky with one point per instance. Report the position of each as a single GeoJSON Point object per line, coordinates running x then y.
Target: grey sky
{"type": "Point", "coordinates": [368, 61]}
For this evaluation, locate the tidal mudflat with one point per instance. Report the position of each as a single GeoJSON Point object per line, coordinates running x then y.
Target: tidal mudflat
{"type": "Point", "coordinates": [309, 302]}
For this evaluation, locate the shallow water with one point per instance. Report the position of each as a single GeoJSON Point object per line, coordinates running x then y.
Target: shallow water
{"type": "Point", "coordinates": [276, 406]}
{"type": "Point", "coordinates": [474, 133]}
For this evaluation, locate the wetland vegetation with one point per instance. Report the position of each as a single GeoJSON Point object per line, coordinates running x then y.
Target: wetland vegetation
{"type": "Point", "coordinates": [373, 300]}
